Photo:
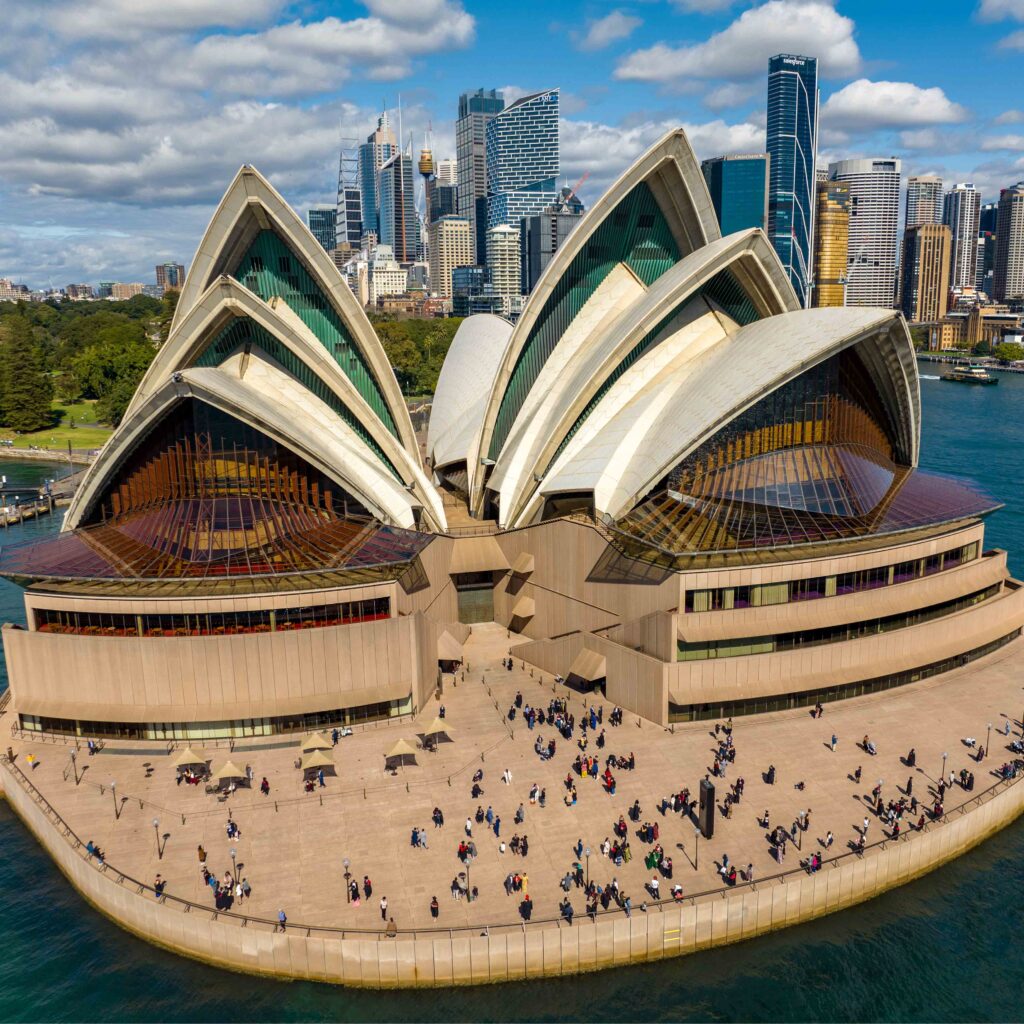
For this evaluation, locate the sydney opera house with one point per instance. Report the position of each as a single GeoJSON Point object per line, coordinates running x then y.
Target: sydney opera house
{"type": "Point", "coordinates": [667, 480]}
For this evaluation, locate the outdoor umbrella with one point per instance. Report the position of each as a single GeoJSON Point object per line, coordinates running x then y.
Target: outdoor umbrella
{"type": "Point", "coordinates": [401, 750]}
{"type": "Point", "coordinates": [188, 756]}
{"type": "Point", "coordinates": [228, 770]}
{"type": "Point", "coordinates": [438, 725]}
{"type": "Point", "coordinates": [316, 741]}
{"type": "Point", "coordinates": [316, 759]}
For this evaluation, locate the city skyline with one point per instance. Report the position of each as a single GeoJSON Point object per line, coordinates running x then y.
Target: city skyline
{"type": "Point", "coordinates": [119, 118]}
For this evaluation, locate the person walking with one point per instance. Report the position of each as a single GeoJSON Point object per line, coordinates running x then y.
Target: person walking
{"type": "Point", "coordinates": [383, 908]}
{"type": "Point", "coordinates": [469, 826]}
{"type": "Point", "coordinates": [835, 740]}
{"type": "Point", "coordinates": [864, 830]}
{"type": "Point", "coordinates": [435, 907]}
{"type": "Point", "coordinates": [282, 920]}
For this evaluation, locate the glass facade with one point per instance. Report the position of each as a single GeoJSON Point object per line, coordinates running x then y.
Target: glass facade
{"type": "Point", "coordinates": [238, 728]}
{"type": "Point", "coordinates": [635, 233]}
{"type": "Point", "coordinates": [275, 620]}
{"type": "Point", "coordinates": [322, 221]}
{"type": "Point", "coordinates": [762, 595]}
{"type": "Point", "coordinates": [475, 110]}
{"type": "Point", "coordinates": [741, 646]}
{"type": "Point", "coordinates": [793, 148]}
{"type": "Point", "coordinates": [522, 159]}
{"type": "Point", "coordinates": [399, 221]}
{"type": "Point", "coordinates": [271, 269]}
{"type": "Point", "coordinates": [739, 191]}
{"type": "Point", "coordinates": [831, 243]}
{"type": "Point", "coordinates": [818, 459]}
{"type": "Point", "coordinates": [808, 698]}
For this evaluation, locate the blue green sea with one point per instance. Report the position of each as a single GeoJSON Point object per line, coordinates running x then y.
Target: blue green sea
{"type": "Point", "coordinates": [944, 948]}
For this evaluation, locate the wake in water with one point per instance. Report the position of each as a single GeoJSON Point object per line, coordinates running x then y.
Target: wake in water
{"type": "Point", "coordinates": [928, 376]}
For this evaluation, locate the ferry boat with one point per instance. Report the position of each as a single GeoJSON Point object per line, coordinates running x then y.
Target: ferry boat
{"type": "Point", "coordinates": [970, 375]}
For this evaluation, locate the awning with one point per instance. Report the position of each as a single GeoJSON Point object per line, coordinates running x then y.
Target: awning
{"type": "Point", "coordinates": [588, 665]}
{"type": "Point", "coordinates": [477, 554]}
{"type": "Point", "coordinates": [448, 648]}
{"type": "Point", "coordinates": [317, 759]}
{"type": "Point", "coordinates": [523, 565]}
{"type": "Point", "coordinates": [523, 608]}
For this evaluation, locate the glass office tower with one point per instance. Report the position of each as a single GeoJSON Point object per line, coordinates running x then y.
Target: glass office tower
{"type": "Point", "coordinates": [793, 148]}
{"type": "Point", "coordinates": [475, 110]}
{"type": "Point", "coordinates": [739, 190]}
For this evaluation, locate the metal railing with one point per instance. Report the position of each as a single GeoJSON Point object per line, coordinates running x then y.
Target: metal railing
{"type": "Point", "coordinates": [245, 920]}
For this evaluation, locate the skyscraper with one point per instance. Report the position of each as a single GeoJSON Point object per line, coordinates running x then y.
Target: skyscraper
{"type": "Point", "coordinates": [793, 148]}
{"type": "Point", "coordinates": [379, 147]}
{"type": "Point", "coordinates": [739, 190]}
{"type": "Point", "coordinates": [1008, 283]}
{"type": "Point", "coordinates": [169, 275]}
{"type": "Point", "coordinates": [522, 159]}
{"type": "Point", "coordinates": [399, 222]}
{"type": "Point", "coordinates": [503, 265]}
{"type": "Point", "coordinates": [874, 221]}
{"type": "Point", "coordinates": [322, 221]}
{"type": "Point", "coordinates": [962, 212]}
{"type": "Point", "coordinates": [450, 247]}
{"type": "Point", "coordinates": [541, 235]}
{"type": "Point", "coordinates": [924, 286]}
{"type": "Point", "coordinates": [985, 272]}
{"type": "Point", "coordinates": [831, 243]}
{"type": "Point", "coordinates": [924, 200]}
{"type": "Point", "coordinates": [475, 110]}
{"type": "Point", "coordinates": [349, 207]}
{"type": "Point", "coordinates": [448, 172]}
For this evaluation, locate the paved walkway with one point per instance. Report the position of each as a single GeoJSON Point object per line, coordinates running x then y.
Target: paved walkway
{"type": "Point", "coordinates": [293, 844]}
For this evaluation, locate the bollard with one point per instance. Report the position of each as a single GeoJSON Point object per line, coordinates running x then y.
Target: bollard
{"type": "Point", "coordinates": [449, 782]}
{"type": "Point", "coordinates": [321, 799]}
{"type": "Point", "coordinates": [275, 806]}
{"type": "Point", "coordinates": [183, 819]}
{"type": "Point", "coordinates": [407, 787]}
{"type": "Point", "coordinates": [364, 793]}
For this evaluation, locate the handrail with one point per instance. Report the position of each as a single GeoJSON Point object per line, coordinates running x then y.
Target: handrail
{"type": "Point", "coordinates": [245, 919]}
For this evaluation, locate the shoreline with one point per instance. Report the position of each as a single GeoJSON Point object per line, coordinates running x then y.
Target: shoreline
{"type": "Point", "coordinates": [48, 455]}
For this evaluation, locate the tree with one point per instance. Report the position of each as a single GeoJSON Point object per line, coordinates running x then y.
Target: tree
{"type": "Point", "coordinates": [1009, 352]}
{"type": "Point", "coordinates": [110, 370]}
{"type": "Point", "coordinates": [26, 387]}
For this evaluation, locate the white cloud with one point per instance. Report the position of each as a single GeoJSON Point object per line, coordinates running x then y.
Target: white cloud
{"type": "Point", "coordinates": [996, 10]}
{"type": "Point", "coordinates": [732, 94]}
{"type": "Point", "coordinates": [742, 49]}
{"type": "Point", "coordinates": [864, 105]}
{"type": "Point", "coordinates": [114, 19]}
{"type": "Point", "coordinates": [1014, 41]}
{"type": "Point", "coordinates": [1010, 117]}
{"type": "Point", "coordinates": [703, 6]}
{"type": "Point", "coordinates": [607, 150]}
{"type": "Point", "coordinates": [602, 32]}
{"type": "Point", "coordinates": [997, 142]}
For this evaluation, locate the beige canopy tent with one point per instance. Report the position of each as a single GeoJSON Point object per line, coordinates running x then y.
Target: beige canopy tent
{"type": "Point", "coordinates": [228, 770]}
{"type": "Point", "coordinates": [401, 750]}
{"type": "Point", "coordinates": [317, 759]}
{"type": "Point", "coordinates": [316, 741]}
{"type": "Point", "coordinates": [188, 757]}
{"type": "Point", "coordinates": [438, 725]}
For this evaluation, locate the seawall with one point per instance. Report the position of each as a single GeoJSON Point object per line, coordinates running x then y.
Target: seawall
{"type": "Point", "coordinates": [508, 953]}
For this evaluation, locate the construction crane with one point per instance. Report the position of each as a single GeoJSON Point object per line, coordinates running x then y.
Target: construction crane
{"type": "Point", "coordinates": [575, 189]}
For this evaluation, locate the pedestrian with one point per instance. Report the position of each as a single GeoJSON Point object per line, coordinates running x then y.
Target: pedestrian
{"type": "Point", "coordinates": [469, 827]}
{"type": "Point", "coordinates": [507, 777]}
{"type": "Point", "coordinates": [497, 826]}
{"type": "Point", "coordinates": [864, 831]}
{"type": "Point", "coordinates": [158, 886]}
{"type": "Point", "coordinates": [383, 908]}
{"type": "Point", "coordinates": [282, 920]}
{"type": "Point", "coordinates": [835, 740]}
{"type": "Point", "coordinates": [202, 854]}
{"type": "Point", "coordinates": [367, 886]}
{"type": "Point", "coordinates": [434, 907]}
{"type": "Point", "coordinates": [392, 929]}
{"type": "Point", "coordinates": [856, 775]}
{"type": "Point", "coordinates": [910, 786]}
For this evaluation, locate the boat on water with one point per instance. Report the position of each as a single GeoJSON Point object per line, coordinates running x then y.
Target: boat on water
{"type": "Point", "coordinates": [970, 375]}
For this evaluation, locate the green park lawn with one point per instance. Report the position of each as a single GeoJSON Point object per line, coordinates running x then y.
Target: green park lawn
{"type": "Point", "coordinates": [85, 434]}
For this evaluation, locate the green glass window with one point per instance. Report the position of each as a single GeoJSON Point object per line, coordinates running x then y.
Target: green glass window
{"type": "Point", "coordinates": [637, 234]}
{"type": "Point", "coordinates": [243, 331]}
{"type": "Point", "coordinates": [271, 269]}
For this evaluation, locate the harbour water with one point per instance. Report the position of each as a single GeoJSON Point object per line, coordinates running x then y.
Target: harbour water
{"type": "Point", "coordinates": [944, 948]}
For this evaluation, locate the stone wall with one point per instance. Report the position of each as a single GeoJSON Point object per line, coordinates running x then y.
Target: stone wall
{"type": "Point", "coordinates": [514, 953]}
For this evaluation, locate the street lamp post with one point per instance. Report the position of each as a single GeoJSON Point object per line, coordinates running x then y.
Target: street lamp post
{"type": "Point", "coordinates": [988, 739]}
{"type": "Point", "coordinates": [348, 875]}
{"type": "Point", "coordinates": [74, 764]}
{"type": "Point", "coordinates": [696, 845]}
{"type": "Point", "coordinates": [234, 854]}
{"type": "Point", "coordinates": [587, 854]}
{"type": "Point", "coordinates": [942, 778]}
{"type": "Point", "coordinates": [113, 793]}
{"type": "Point", "coordinates": [156, 829]}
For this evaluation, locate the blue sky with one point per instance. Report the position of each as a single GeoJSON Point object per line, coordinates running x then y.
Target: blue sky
{"type": "Point", "coordinates": [122, 121]}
